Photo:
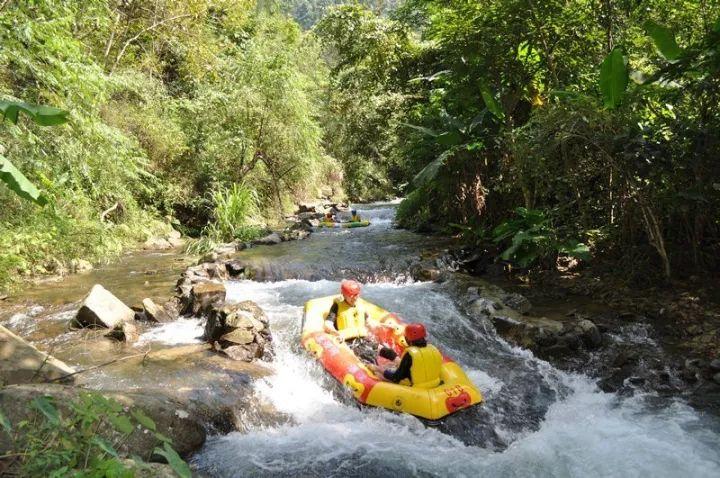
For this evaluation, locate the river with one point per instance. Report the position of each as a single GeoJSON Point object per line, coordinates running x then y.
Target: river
{"type": "Point", "coordinates": [536, 420]}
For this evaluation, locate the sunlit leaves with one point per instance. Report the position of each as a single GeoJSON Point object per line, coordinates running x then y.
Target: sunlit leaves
{"type": "Point", "coordinates": [613, 78]}
{"type": "Point", "coordinates": [492, 104]}
{"type": "Point", "coordinates": [664, 40]}
{"type": "Point", "coordinates": [9, 174]}
{"type": "Point", "coordinates": [42, 115]}
{"type": "Point", "coordinates": [174, 460]}
{"type": "Point", "coordinates": [18, 183]}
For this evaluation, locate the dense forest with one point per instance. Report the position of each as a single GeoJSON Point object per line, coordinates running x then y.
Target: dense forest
{"type": "Point", "coordinates": [581, 128]}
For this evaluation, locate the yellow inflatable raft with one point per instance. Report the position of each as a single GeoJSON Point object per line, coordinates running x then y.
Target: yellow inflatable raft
{"type": "Point", "coordinates": [344, 224]}
{"type": "Point", "coordinates": [454, 393]}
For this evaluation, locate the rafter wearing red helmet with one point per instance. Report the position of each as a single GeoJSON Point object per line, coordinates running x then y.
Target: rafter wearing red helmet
{"type": "Point", "coordinates": [347, 319]}
{"type": "Point", "coordinates": [420, 363]}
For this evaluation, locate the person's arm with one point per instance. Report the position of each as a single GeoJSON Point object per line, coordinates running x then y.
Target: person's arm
{"type": "Point", "coordinates": [402, 372]}
{"type": "Point", "coordinates": [331, 320]}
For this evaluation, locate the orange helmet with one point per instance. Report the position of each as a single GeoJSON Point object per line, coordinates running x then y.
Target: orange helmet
{"type": "Point", "coordinates": [415, 331]}
{"type": "Point", "coordinates": [350, 288]}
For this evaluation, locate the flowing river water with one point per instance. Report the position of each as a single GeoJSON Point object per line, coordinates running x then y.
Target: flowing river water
{"type": "Point", "coordinates": [536, 419]}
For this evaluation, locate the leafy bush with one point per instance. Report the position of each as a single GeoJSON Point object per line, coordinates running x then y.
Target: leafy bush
{"type": "Point", "coordinates": [55, 444]}
{"type": "Point", "coordinates": [531, 238]}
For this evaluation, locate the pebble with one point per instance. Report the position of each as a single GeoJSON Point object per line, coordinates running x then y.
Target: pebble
{"type": "Point", "coordinates": [715, 365]}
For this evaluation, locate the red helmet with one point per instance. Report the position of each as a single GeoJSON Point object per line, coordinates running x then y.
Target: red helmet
{"type": "Point", "coordinates": [350, 288]}
{"type": "Point", "coordinates": [415, 331]}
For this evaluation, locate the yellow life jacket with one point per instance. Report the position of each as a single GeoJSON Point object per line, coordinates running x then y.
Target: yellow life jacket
{"type": "Point", "coordinates": [350, 320]}
{"type": "Point", "coordinates": [355, 218]}
{"type": "Point", "coordinates": [426, 364]}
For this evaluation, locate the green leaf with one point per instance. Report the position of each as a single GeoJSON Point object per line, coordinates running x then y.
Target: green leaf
{"type": "Point", "coordinates": [7, 426]}
{"type": "Point", "coordinates": [44, 405]}
{"type": "Point", "coordinates": [162, 437]}
{"type": "Point", "coordinates": [42, 115]}
{"type": "Point", "coordinates": [613, 78]}
{"type": "Point", "coordinates": [144, 420]}
{"type": "Point", "coordinates": [174, 460]}
{"type": "Point", "coordinates": [104, 446]}
{"type": "Point", "coordinates": [430, 171]}
{"type": "Point", "coordinates": [449, 138]}
{"type": "Point", "coordinates": [664, 40]}
{"type": "Point", "coordinates": [121, 423]}
{"type": "Point", "coordinates": [492, 104]}
{"type": "Point", "coordinates": [18, 183]}
{"type": "Point", "coordinates": [422, 129]}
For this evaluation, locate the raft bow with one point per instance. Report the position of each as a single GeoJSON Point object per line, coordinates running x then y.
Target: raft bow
{"type": "Point", "coordinates": [454, 393]}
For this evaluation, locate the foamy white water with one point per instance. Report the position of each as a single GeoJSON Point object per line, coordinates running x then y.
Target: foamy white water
{"type": "Point", "coordinates": [558, 424]}
{"type": "Point", "coordinates": [178, 332]}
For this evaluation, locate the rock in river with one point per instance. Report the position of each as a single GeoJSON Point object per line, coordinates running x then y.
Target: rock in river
{"type": "Point", "coordinates": [102, 309]}
{"type": "Point", "coordinates": [241, 330]}
{"type": "Point", "coordinates": [202, 297]}
{"type": "Point", "coordinates": [20, 362]}
{"type": "Point", "coordinates": [155, 313]}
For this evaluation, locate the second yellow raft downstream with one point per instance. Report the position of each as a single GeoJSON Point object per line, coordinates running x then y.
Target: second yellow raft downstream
{"type": "Point", "coordinates": [454, 393]}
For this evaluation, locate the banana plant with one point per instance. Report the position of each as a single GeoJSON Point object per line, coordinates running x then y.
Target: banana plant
{"type": "Point", "coordinates": [9, 174]}
{"type": "Point", "coordinates": [457, 135]}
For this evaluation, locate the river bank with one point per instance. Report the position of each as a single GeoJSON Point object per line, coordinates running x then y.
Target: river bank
{"type": "Point", "coordinates": [672, 330]}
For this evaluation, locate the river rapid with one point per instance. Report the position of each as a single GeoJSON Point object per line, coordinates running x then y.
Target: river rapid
{"type": "Point", "coordinates": [536, 420]}
{"type": "Point", "coordinates": [297, 421]}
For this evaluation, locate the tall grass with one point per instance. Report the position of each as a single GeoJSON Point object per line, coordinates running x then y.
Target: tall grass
{"type": "Point", "coordinates": [236, 213]}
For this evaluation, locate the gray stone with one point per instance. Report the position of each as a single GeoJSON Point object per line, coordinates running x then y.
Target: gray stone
{"type": "Point", "coordinates": [517, 302]}
{"type": "Point", "coordinates": [124, 332]}
{"type": "Point", "coordinates": [269, 240]}
{"type": "Point", "coordinates": [243, 353]}
{"type": "Point", "coordinates": [102, 309]}
{"type": "Point", "coordinates": [203, 295]}
{"type": "Point", "coordinates": [483, 306]}
{"type": "Point", "coordinates": [716, 378]}
{"type": "Point", "coordinates": [239, 336]}
{"type": "Point", "coordinates": [225, 250]}
{"type": "Point", "coordinates": [224, 319]}
{"type": "Point", "coordinates": [157, 243]}
{"type": "Point", "coordinates": [80, 265]}
{"type": "Point", "coordinates": [20, 362]}
{"type": "Point", "coordinates": [589, 333]}
{"type": "Point", "coordinates": [155, 313]}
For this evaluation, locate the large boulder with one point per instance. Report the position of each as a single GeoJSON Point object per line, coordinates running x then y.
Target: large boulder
{"type": "Point", "coordinates": [239, 330]}
{"type": "Point", "coordinates": [202, 297]}
{"type": "Point", "coordinates": [171, 417]}
{"type": "Point", "coordinates": [20, 362]}
{"type": "Point", "coordinates": [102, 309]}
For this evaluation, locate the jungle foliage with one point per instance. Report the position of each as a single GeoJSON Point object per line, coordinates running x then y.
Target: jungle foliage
{"type": "Point", "coordinates": [600, 115]}
{"type": "Point", "coordinates": [169, 102]}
